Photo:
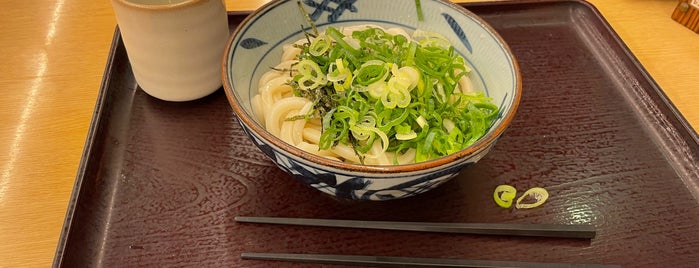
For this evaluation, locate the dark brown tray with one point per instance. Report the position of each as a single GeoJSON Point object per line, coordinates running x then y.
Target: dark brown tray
{"type": "Point", "coordinates": [159, 182]}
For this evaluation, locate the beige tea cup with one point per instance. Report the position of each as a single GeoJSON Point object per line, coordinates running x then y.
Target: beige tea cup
{"type": "Point", "coordinates": [175, 46]}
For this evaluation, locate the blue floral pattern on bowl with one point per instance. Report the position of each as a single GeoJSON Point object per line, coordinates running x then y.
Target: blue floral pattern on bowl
{"type": "Point", "coordinates": [334, 7]}
{"type": "Point", "coordinates": [360, 186]}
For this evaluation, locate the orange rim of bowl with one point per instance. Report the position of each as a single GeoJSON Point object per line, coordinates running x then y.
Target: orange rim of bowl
{"type": "Point", "coordinates": [478, 146]}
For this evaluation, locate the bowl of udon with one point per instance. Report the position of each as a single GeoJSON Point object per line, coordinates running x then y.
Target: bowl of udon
{"type": "Point", "coordinates": [371, 100]}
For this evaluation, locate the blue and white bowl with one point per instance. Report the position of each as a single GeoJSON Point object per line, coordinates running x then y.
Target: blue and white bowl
{"type": "Point", "coordinates": [256, 45]}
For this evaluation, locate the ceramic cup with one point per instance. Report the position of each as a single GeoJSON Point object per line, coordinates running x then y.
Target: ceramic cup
{"type": "Point", "coordinates": [174, 46]}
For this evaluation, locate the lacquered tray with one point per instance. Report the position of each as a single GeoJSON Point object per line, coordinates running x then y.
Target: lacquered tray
{"type": "Point", "coordinates": [159, 182]}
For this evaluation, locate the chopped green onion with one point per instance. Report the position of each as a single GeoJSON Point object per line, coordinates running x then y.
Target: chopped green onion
{"type": "Point", "coordinates": [419, 10]}
{"type": "Point", "coordinates": [504, 195]}
{"type": "Point", "coordinates": [537, 193]}
{"type": "Point", "coordinates": [372, 86]}
{"type": "Point", "coordinates": [319, 45]}
{"type": "Point", "coordinates": [421, 121]}
{"type": "Point", "coordinates": [370, 72]}
{"type": "Point", "coordinates": [405, 132]}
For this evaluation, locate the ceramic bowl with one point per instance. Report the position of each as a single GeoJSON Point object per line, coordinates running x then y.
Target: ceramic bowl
{"type": "Point", "coordinates": [256, 45]}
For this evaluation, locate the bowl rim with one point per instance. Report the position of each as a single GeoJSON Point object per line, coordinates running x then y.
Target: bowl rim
{"type": "Point", "coordinates": [480, 145]}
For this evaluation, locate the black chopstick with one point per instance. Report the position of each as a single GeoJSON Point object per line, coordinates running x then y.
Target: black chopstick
{"type": "Point", "coordinates": [512, 229]}
{"type": "Point", "coordinates": [385, 261]}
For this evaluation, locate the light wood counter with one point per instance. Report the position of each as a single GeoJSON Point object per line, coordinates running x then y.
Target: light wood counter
{"type": "Point", "coordinates": [53, 55]}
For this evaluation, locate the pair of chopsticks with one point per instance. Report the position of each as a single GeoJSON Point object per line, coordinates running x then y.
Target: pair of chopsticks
{"type": "Point", "coordinates": [533, 230]}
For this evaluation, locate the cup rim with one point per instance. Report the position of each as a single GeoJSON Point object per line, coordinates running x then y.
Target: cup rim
{"type": "Point", "coordinates": [158, 7]}
{"type": "Point", "coordinates": [480, 145]}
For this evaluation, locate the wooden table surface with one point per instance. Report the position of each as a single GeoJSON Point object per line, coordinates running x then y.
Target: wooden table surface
{"type": "Point", "coordinates": [53, 55]}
